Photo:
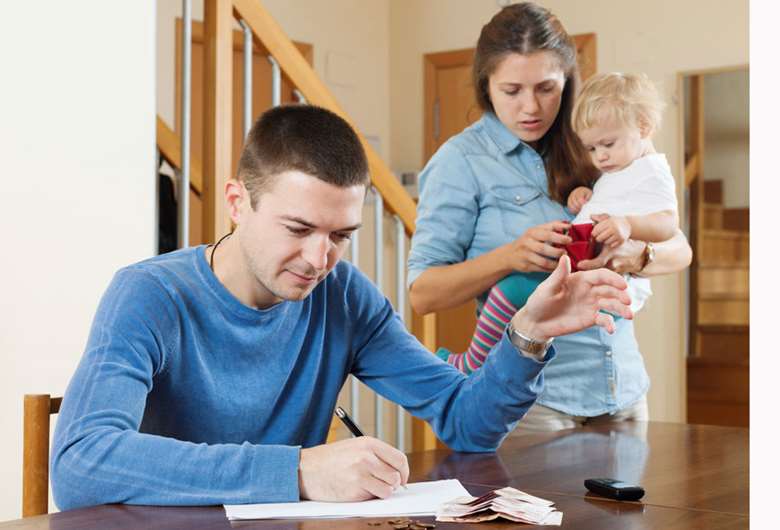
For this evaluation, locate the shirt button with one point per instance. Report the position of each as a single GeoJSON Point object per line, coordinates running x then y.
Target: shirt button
{"type": "Point", "coordinates": [518, 198]}
{"type": "Point", "coordinates": [609, 353]}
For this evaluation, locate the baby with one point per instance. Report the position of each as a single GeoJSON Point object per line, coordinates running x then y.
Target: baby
{"type": "Point", "coordinates": [615, 116]}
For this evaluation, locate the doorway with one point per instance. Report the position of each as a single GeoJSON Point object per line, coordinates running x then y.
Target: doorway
{"type": "Point", "coordinates": [717, 145]}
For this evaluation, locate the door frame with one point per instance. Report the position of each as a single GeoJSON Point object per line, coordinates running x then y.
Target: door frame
{"type": "Point", "coordinates": [586, 57]}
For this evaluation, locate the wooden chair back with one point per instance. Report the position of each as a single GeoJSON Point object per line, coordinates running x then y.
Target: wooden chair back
{"type": "Point", "coordinates": [35, 463]}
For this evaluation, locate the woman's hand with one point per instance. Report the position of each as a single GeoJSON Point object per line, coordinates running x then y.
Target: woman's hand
{"type": "Point", "coordinates": [539, 248]}
{"type": "Point", "coordinates": [628, 258]}
{"type": "Point", "coordinates": [577, 199]}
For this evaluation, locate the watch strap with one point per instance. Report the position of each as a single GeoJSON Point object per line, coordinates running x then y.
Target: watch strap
{"type": "Point", "coordinates": [648, 256]}
{"type": "Point", "coordinates": [535, 348]}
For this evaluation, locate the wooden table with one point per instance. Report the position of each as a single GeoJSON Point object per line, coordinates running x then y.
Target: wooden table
{"type": "Point", "coordinates": [695, 476]}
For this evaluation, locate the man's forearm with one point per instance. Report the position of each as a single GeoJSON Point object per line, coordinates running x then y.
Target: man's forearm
{"type": "Point", "coordinates": [115, 466]}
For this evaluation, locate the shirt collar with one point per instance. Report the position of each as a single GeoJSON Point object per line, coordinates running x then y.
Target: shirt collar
{"type": "Point", "coordinates": [503, 137]}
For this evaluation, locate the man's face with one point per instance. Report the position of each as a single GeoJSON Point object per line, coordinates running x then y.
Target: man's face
{"type": "Point", "coordinates": [297, 233]}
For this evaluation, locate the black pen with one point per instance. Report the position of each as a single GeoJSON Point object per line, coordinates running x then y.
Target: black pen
{"type": "Point", "coordinates": [353, 428]}
{"type": "Point", "coordinates": [344, 417]}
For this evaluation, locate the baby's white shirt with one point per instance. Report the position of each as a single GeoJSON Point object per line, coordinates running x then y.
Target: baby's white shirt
{"type": "Point", "coordinates": [646, 186]}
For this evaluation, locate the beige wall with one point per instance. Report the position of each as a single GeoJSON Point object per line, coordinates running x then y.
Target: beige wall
{"type": "Point", "coordinates": [660, 38]}
{"type": "Point", "coordinates": [77, 200]}
{"type": "Point", "coordinates": [727, 135]}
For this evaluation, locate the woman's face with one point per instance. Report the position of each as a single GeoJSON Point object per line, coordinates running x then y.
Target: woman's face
{"type": "Point", "coordinates": [526, 93]}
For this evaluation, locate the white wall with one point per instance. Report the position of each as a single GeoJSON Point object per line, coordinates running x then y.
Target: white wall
{"type": "Point", "coordinates": [660, 38]}
{"type": "Point", "coordinates": [78, 188]}
{"type": "Point", "coordinates": [727, 135]}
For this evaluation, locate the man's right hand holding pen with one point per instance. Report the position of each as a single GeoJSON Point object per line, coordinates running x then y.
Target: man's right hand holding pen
{"type": "Point", "coordinates": [357, 469]}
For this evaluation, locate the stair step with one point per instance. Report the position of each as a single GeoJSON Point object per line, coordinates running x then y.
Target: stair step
{"type": "Point", "coordinates": [723, 280]}
{"type": "Point", "coordinates": [724, 246]}
{"type": "Point", "coordinates": [713, 216]}
{"type": "Point", "coordinates": [736, 219]}
{"type": "Point", "coordinates": [717, 365]}
{"type": "Point", "coordinates": [706, 412]}
{"type": "Point", "coordinates": [718, 381]}
{"type": "Point", "coordinates": [724, 296]}
{"type": "Point", "coordinates": [724, 311]}
{"type": "Point", "coordinates": [722, 342]}
{"type": "Point", "coordinates": [713, 191]}
{"type": "Point", "coordinates": [724, 265]}
{"type": "Point", "coordinates": [724, 233]}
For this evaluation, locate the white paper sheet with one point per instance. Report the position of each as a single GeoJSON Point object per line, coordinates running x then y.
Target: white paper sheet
{"type": "Point", "coordinates": [421, 498]}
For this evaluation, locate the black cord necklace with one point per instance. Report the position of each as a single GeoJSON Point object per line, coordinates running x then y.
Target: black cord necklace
{"type": "Point", "coordinates": [214, 250]}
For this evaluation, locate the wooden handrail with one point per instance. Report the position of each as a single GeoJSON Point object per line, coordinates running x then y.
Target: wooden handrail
{"type": "Point", "coordinates": [692, 168]}
{"type": "Point", "coordinates": [169, 144]}
{"type": "Point", "coordinates": [267, 32]}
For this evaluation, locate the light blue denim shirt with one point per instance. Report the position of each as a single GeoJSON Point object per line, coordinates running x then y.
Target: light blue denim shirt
{"type": "Point", "coordinates": [482, 189]}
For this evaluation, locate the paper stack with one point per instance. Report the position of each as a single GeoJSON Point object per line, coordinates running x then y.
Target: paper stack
{"type": "Point", "coordinates": [508, 503]}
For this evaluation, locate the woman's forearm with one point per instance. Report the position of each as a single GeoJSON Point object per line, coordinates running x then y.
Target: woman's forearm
{"type": "Point", "coordinates": [672, 255]}
{"type": "Point", "coordinates": [452, 285]}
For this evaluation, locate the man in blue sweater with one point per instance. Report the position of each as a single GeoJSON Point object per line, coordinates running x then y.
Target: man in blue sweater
{"type": "Point", "coordinates": [211, 373]}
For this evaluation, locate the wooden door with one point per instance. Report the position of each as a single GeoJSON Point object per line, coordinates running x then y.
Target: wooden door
{"type": "Point", "coordinates": [261, 101]}
{"type": "Point", "coordinates": [450, 107]}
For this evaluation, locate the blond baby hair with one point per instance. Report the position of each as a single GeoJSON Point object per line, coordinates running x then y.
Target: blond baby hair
{"type": "Point", "coordinates": [626, 99]}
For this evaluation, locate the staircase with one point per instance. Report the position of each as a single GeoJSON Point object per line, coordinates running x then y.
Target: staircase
{"type": "Point", "coordinates": [719, 361]}
{"type": "Point", "coordinates": [262, 34]}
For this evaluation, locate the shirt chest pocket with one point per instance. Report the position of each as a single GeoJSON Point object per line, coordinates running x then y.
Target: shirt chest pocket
{"type": "Point", "coordinates": [518, 207]}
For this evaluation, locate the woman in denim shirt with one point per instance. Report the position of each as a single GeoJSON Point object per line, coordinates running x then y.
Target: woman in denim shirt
{"type": "Point", "coordinates": [491, 205]}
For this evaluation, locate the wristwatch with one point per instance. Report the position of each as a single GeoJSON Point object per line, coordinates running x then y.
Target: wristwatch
{"type": "Point", "coordinates": [534, 348]}
{"type": "Point", "coordinates": [648, 256]}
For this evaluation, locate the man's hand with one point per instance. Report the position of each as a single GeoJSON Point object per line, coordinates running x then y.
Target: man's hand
{"type": "Point", "coordinates": [351, 470]}
{"type": "Point", "coordinates": [565, 303]}
{"type": "Point", "coordinates": [577, 198]}
{"type": "Point", "coordinates": [613, 231]}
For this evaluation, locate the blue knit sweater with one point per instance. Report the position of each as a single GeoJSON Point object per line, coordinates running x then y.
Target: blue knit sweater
{"type": "Point", "coordinates": [185, 396]}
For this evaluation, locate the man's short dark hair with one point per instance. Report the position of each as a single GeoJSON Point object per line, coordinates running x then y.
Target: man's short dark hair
{"type": "Point", "coordinates": [302, 138]}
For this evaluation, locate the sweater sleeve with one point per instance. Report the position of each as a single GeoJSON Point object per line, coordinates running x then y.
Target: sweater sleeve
{"type": "Point", "coordinates": [100, 456]}
{"type": "Point", "coordinates": [468, 413]}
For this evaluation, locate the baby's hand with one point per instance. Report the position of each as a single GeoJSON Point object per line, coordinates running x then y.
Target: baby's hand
{"type": "Point", "coordinates": [577, 198]}
{"type": "Point", "coordinates": [612, 231]}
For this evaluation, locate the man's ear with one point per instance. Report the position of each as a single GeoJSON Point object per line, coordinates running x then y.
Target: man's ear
{"type": "Point", "coordinates": [237, 199]}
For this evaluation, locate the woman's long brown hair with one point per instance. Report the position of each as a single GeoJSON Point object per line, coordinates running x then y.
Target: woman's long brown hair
{"type": "Point", "coordinates": [527, 28]}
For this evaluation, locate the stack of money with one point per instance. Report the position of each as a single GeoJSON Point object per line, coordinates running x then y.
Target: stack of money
{"type": "Point", "coordinates": [507, 503]}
